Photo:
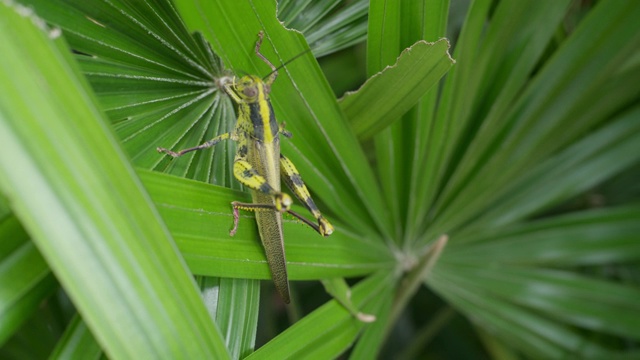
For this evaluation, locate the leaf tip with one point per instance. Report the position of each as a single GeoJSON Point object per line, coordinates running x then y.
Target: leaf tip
{"type": "Point", "coordinates": [366, 318]}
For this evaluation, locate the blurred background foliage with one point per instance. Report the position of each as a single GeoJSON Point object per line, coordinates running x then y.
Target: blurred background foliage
{"type": "Point", "coordinates": [526, 155]}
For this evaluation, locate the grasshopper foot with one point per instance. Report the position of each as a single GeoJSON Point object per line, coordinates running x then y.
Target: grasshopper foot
{"type": "Point", "coordinates": [325, 228]}
{"type": "Point", "coordinates": [236, 219]}
{"type": "Point", "coordinates": [168, 152]}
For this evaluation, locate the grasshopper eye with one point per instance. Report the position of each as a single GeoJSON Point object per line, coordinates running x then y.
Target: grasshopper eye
{"type": "Point", "coordinates": [250, 92]}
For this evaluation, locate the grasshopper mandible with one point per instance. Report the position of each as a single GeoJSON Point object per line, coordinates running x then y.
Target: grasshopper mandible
{"type": "Point", "coordinates": [258, 165]}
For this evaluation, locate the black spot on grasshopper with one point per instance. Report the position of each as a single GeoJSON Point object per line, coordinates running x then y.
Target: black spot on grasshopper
{"type": "Point", "coordinates": [242, 150]}
{"type": "Point", "coordinates": [296, 180]}
{"type": "Point", "coordinates": [249, 173]}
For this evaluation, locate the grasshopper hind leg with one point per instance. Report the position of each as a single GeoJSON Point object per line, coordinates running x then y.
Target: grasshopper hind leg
{"type": "Point", "coordinates": [292, 178]}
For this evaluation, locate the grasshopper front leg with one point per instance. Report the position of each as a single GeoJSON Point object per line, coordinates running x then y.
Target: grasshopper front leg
{"type": "Point", "coordinates": [205, 145]}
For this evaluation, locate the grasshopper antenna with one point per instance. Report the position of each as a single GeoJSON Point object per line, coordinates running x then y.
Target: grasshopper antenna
{"type": "Point", "coordinates": [274, 70]}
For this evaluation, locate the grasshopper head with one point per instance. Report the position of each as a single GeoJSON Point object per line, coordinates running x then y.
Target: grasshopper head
{"type": "Point", "coordinates": [251, 88]}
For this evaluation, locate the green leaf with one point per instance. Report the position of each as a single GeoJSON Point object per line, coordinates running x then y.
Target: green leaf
{"type": "Point", "coordinates": [542, 120]}
{"type": "Point", "coordinates": [340, 291]}
{"type": "Point", "coordinates": [400, 148]}
{"type": "Point", "coordinates": [588, 238]}
{"type": "Point", "coordinates": [77, 342]}
{"type": "Point", "coordinates": [329, 330]}
{"type": "Point", "coordinates": [539, 305]}
{"type": "Point", "coordinates": [328, 26]}
{"type": "Point", "coordinates": [231, 302]}
{"type": "Point", "coordinates": [74, 191]}
{"type": "Point", "coordinates": [157, 84]}
{"type": "Point", "coordinates": [25, 277]}
{"type": "Point", "coordinates": [581, 166]}
{"type": "Point", "coordinates": [533, 156]}
{"type": "Point", "coordinates": [388, 95]}
{"type": "Point", "coordinates": [535, 124]}
{"type": "Point", "coordinates": [371, 340]}
{"type": "Point", "coordinates": [552, 132]}
{"type": "Point", "coordinates": [518, 267]}
{"type": "Point", "coordinates": [199, 216]}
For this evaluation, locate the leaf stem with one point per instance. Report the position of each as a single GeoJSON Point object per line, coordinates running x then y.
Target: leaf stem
{"type": "Point", "coordinates": [413, 279]}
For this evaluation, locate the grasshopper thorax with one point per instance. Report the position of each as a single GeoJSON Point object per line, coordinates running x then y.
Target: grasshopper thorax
{"type": "Point", "coordinates": [251, 88]}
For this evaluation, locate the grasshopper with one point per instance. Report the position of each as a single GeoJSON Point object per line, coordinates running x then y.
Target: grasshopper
{"type": "Point", "coordinates": [258, 165]}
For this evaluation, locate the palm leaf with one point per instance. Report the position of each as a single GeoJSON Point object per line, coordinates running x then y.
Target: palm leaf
{"type": "Point", "coordinates": [539, 109]}
{"type": "Point", "coordinates": [80, 200]}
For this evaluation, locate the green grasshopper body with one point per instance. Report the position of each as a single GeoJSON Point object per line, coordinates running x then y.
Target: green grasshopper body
{"type": "Point", "coordinates": [258, 165]}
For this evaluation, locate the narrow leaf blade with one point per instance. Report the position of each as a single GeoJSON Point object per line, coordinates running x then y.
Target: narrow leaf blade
{"type": "Point", "coordinates": [76, 194]}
